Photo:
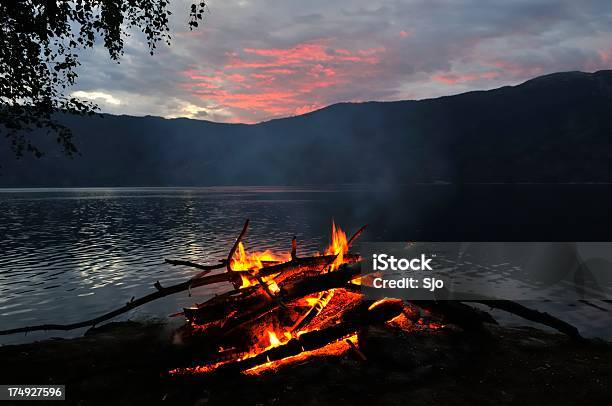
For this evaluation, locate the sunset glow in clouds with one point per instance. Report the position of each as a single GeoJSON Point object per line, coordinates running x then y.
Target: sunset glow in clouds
{"type": "Point", "coordinates": [255, 60]}
{"type": "Point", "coordinates": [272, 82]}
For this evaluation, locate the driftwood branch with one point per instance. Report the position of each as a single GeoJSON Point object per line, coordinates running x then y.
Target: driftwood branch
{"type": "Point", "coordinates": [234, 278]}
{"type": "Point", "coordinates": [232, 251]}
{"type": "Point", "coordinates": [356, 235]}
{"type": "Point", "coordinates": [458, 314]}
{"type": "Point", "coordinates": [293, 248]}
{"type": "Point", "coordinates": [161, 292]}
{"type": "Point", "coordinates": [220, 265]}
{"type": "Point", "coordinates": [206, 269]}
{"type": "Point", "coordinates": [535, 316]}
{"type": "Point", "coordinates": [198, 280]}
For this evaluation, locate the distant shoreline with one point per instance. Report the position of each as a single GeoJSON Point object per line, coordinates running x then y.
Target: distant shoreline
{"type": "Point", "coordinates": [288, 188]}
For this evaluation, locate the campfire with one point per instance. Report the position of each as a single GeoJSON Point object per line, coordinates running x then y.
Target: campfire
{"type": "Point", "coordinates": [285, 308]}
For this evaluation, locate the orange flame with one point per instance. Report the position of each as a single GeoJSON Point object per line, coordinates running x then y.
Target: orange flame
{"type": "Point", "coordinates": [246, 282]}
{"type": "Point", "coordinates": [253, 261]}
{"type": "Point", "coordinates": [338, 246]}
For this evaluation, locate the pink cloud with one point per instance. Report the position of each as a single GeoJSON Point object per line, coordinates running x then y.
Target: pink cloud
{"type": "Point", "coordinates": [262, 83]}
{"type": "Point", "coordinates": [404, 34]}
{"type": "Point", "coordinates": [281, 71]}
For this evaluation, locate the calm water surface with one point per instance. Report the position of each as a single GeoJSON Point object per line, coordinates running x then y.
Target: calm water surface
{"type": "Point", "coordinates": [72, 254]}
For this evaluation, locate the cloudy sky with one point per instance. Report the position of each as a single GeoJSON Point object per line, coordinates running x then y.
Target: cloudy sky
{"type": "Point", "coordinates": [254, 60]}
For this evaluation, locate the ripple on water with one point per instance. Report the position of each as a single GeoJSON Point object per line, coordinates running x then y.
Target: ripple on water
{"type": "Point", "coordinates": [69, 255]}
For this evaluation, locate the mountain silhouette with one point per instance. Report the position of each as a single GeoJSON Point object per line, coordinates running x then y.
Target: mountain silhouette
{"type": "Point", "coordinates": [554, 128]}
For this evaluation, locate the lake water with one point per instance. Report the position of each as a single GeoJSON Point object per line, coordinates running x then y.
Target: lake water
{"type": "Point", "coordinates": [72, 254]}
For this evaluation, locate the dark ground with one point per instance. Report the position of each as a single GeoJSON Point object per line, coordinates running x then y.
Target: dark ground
{"type": "Point", "coordinates": [126, 363]}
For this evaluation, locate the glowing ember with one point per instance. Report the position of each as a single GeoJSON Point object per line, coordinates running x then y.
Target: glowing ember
{"type": "Point", "coordinates": [430, 325]}
{"type": "Point", "coordinates": [400, 321]}
{"type": "Point", "coordinates": [336, 348]}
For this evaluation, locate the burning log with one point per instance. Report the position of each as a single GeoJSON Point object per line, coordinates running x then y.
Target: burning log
{"type": "Point", "coordinates": [314, 311]}
{"type": "Point", "coordinates": [367, 313]}
{"type": "Point", "coordinates": [254, 305]}
{"type": "Point", "coordinates": [315, 262]}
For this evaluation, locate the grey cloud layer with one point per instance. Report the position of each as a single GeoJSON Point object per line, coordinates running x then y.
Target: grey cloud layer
{"type": "Point", "coordinates": [422, 49]}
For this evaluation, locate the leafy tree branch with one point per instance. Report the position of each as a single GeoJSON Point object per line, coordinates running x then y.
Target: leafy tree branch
{"type": "Point", "coordinates": [39, 44]}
